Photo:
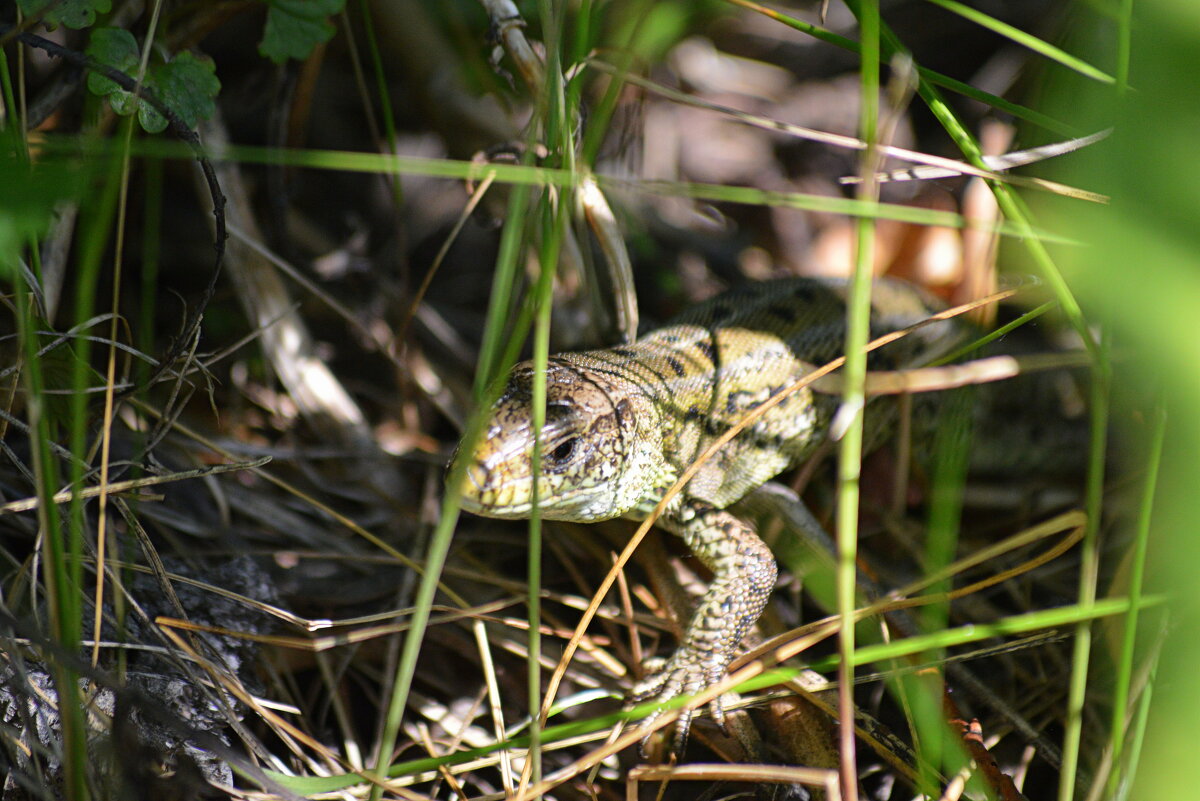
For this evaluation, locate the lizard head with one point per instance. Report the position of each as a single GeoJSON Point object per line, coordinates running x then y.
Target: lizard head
{"type": "Point", "coordinates": [589, 441]}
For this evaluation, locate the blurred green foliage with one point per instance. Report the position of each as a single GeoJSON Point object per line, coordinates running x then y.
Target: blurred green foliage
{"type": "Point", "coordinates": [28, 195]}
{"type": "Point", "coordinates": [1140, 269]}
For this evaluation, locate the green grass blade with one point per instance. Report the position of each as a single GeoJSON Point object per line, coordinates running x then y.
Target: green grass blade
{"type": "Point", "coordinates": [1124, 44]}
{"type": "Point", "coordinates": [1089, 568]}
{"type": "Point", "coordinates": [59, 573]}
{"type": "Point", "coordinates": [1139, 733]}
{"type": "Point", "coordinates": [928, 75]}
{"type": "Point", "coordinates": [486, 392]}
{"type": "Point", "coordinates": [1025, 40]}
{"type": "Point", "coordinates": [625, 55]}
{"type": "Point", "coordinates": [1009, 202]}
{"type": "Point", "coordinates": [524, 175]}
{"type": "Point", "coordinates": [559, 124]}
{"type": "Point", "coordinates": [381, 87]}
{"type": "Point", "coordinates": [1005, 627]}
{"type": "Point", "coordinates": [435, 560]}
{"type": "Point", "coordinates": [858, 320]}
{"type": "Point", "coordinates": [553, 230]}
{"type": "Point", "coordinates": [951, 455]}
{"type": "Point", "coordinates": [500, 299]}
{"type": "Point", "coordinates": [992, 336]}
{"type": "Point", "coordinates": [1137, 572]}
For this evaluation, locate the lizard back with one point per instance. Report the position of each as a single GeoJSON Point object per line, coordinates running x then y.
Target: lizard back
{"type": "Point", "coordinates": [624, 422]}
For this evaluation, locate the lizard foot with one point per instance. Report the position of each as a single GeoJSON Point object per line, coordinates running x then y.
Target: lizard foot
{"type": "Point", "coordinates": [685, 673]}
{"type": "Point", "coordinates": [744, 573]}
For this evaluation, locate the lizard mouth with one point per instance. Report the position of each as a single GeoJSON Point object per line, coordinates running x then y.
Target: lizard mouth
{"type": "Point", "coordinates": [483, 495]}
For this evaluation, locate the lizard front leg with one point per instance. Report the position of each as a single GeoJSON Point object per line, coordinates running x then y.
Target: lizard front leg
{"type": "Point", "coordinates": [744, 574]}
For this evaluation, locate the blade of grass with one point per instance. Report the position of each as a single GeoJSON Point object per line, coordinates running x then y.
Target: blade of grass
{"type": "Point", "coordinates": [389, 117]}
{"type": "Point", "coordinates": [992, 336]}
{"type": "Point", "coordinates": [381, 88]}
{"type": "Point", "coordinates": [83, 373]}
{"type": "Point", "coordinates": [1012, 207]}
{"type": "Point", "coordinates": [928, 75]}
{"type": "Point", "coordinates": [1137, 571]}
{"type": "Point", "coordinates": [977, 632]}
{"type": "Point", "coordinates": [625, 56]}
{"type": "Point", "coordinates": [552, 103]}
{"type": "Point", "coordinates": [439, 545]}
{"type": "Point", "coordinates": [560, 126]}
{"type": "Point", "coordinates": [519, 175]}
{"type": "Point", "coordinates": [1124, 45]}
{"type": "Point", "coordinates": [14, 119]}
{"type": "Point", "coordinates": [95, 223]}
{"type": "Point", "coordinates": [59, 570]}
{"type": "Point", "coordinates": [500, 300]}
{"type": "Point", "coordinates": [1089, 567]}
{"type": "Point", "coordinates": [858, 320]}
{"type": "Point", "coordinates": [553, 228]}
{"type": "Point", "coordinates": [435, 560]}
{"type": "Point", "coordinates": [938, 748]}
{"type": "Point", "coordinates": [111, 362]}
{"type": "Point", "coordinates": [1139, 732]}
{"type": "Point", "coordinates": [60, 540]}
{"type": "Point", "coordinates": [1024, 39]}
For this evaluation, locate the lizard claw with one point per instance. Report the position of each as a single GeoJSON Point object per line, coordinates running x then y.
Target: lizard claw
{"type": "Point", "coordinates": [683, 674]}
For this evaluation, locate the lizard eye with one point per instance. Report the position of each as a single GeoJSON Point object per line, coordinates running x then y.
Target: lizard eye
{"type": "Point", "coordinates": [564, 451]}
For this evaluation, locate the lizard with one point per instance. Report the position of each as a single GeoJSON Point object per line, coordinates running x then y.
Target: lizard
{"type": "Point", "coordinates": [623, 423]}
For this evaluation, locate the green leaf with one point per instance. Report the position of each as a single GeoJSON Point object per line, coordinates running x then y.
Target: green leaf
{"type": "Point", "coordinates": [116, 48]}
{"type": "Point", "coordinates": [72, 13]}
{"type": "Point", "coordinates": [188, 85]}
{"type": "Point", "coordinates": [295, 27]}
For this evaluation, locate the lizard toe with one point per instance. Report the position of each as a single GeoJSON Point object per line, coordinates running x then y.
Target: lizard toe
{"type": "Point", "coordinates": [682, 675]}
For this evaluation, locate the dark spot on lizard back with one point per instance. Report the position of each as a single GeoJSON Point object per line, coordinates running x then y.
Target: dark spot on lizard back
{"type": "Point", "coordinates": [626, 417]}
{"type": "Point", "coordinates": [803, 293]}
{"type": "Point", "coordinates": [714, 427]}
{"type": "Point", "coordinates": [677, 366]}
{"type": "Point", "coordinates": [706, 348]}
{"type": "Point", "coordinates": [741, 401]}
{"type": "Point", "coordinates": [625, 353]}
{"type": "Point", "coordinates": [783, 311]}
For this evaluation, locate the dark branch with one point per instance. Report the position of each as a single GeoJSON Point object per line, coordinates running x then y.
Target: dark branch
{"type": "Point", "coordinates": [182, 132]}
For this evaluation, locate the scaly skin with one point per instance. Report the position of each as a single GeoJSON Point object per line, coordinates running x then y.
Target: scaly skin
{"type": "Point", "coordinates": [623, 424]}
